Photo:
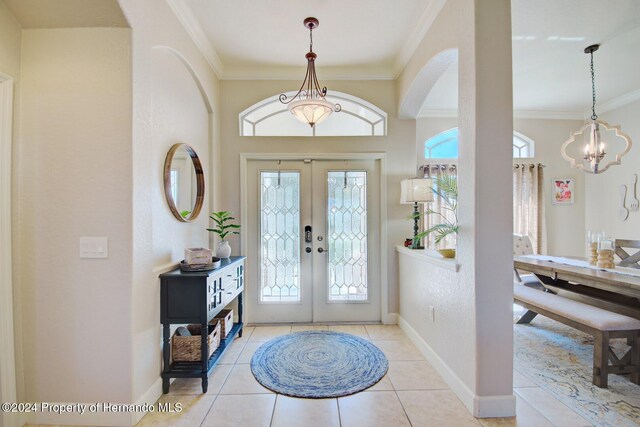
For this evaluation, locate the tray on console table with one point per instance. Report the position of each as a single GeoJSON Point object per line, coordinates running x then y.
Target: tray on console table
{"type": "Point", "coordinates": [196, 297]}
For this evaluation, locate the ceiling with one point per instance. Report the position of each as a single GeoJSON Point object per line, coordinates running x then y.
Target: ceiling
{"type": "Point", "coordinates": [67, 13]}
{"type": "Point", "coordinates": [373, 39]}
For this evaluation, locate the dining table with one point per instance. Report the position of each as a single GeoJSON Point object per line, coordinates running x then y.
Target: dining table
{"type": "Point", "coordinates": [615, 289]}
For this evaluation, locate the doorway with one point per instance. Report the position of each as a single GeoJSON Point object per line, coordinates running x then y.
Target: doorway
{"type": "Point", "coordinates": [7, 352]}
{"type": "Point", "coordinates": [313, 238]}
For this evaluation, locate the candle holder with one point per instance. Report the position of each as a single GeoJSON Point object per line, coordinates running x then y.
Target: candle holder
{"type": "Point", "coordinates": [593, 237]}
{"type": "Point", "coordinates": [605, 253]}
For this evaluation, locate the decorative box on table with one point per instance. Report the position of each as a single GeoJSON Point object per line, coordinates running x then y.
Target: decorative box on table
{"type": "Point", "coordinates": [197, 255]}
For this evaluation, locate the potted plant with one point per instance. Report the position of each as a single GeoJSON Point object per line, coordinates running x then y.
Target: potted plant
{"type": "Point", "coordinates": [223, 228]}
{"type": "Point", "coordinates": [446, 188]}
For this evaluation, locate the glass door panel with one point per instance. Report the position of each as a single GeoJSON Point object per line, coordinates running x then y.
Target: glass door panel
{"type": "Point", "coordinates": [279, 275]}
{"type": "Point", "coordinates": [347, 235]}
{"type": "Point", "coordinates": [346, 220]}
{"type": "Point", "coordinates": [280, 236]}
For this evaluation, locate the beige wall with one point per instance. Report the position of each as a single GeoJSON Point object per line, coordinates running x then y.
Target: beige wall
{"type": "Point", "coordinates": [565, 224]}
{"type": "Point", "coordinates": [602, 190]}
{"type": "Point", "coordinates": [100, 109]}
{"type": "Point", "coordinates": [175, 99]}
{"type": "Point", "coordinates": [398, 144]}
{"type": "Point", "coordinates": [10, 41]}
{"type": "Point", "coordinates": [73, 176]}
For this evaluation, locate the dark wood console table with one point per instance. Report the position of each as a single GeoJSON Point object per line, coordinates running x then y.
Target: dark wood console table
{"type": "Point", "coordinates": [197, 297]}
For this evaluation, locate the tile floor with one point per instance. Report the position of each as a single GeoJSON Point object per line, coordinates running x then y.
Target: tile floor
{"type": "Point", "coordinates": [411, 394]}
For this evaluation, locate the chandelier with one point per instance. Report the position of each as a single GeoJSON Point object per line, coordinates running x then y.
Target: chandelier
{"type": "Point", "coordinates": [590, 159]}
{"type": "Point", "coordinates": [309, 104]}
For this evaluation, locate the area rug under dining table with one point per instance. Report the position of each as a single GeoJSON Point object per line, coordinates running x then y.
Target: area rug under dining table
{"type": "Point", "coordinates": [318, 364]}
{"type": "Point", "coordinates": [559, 359]}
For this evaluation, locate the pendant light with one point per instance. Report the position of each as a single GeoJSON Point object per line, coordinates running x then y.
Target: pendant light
{"type": "Point", "coordinates": [593, 153]}
{"type": "Point", "coordinates": [309, 104]}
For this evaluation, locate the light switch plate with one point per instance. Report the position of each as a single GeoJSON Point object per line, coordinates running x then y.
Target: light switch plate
{"type": "Point", "coordinates": [94, 247]}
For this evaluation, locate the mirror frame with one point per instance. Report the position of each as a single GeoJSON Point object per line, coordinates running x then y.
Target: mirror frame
{"type": "Point", "coordinates": [199, 182]}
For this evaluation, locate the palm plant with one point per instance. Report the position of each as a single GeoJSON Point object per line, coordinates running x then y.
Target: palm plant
{"type": "Point", "coordinates": [222, 227]}
{"type": "Point", "coordinates": [446, 189]}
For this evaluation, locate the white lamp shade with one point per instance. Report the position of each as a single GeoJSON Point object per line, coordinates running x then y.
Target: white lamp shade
{"type": "Point", "coordinates": [416, 190]}
{"type": "Point", "coordinates": [311, 111]}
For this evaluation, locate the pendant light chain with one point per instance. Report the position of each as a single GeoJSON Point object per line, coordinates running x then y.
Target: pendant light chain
{"type": "Point", "coordinates": [594, 116]}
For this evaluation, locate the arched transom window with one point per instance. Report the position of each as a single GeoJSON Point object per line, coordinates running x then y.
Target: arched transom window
{"type": "Point", "coordinates": [445, 146]}
{"type": "Point", "coordinates": [270, 117]}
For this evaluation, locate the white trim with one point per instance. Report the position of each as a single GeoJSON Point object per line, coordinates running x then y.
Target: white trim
{"type": "Point", "coordinates": [334, 97]}
{"type": "Point", "coordinates": [392, 319]}
{"type": "Point", "coordinates": [618, 102]}
{"type": "Point", "coordinates": [7, 350]}
{"type": "Point", "coordinates": [424, 255]}
{"type": "Point", "coordinates": [549, 115]}
{"type": "Point", "coordinates": [150, 396]}
{"type": "Point", "coordinates": [517, 114]}
{"type": "Point", "coordinates": [197, 34]}
{"type": "Point", "coordinates": [478, 406]}
{"type": "Point", "coordinates": [426, 21]}
{"type": "Point", "coordinates": [381, 157]}
{"type": "Point", "coordinates": [296, 73]}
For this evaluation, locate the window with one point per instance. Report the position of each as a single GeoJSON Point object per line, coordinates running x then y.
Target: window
{"type": "Point", "coordinates": [445, 146]}
{"type": "Point", "coordinates": [441, 156]}
{"type": "Point", "coordinates": [270, 117]}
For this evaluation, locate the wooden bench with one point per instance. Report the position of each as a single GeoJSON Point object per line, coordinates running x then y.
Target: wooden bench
{"type": "Point", "coordinates": [601, 324]}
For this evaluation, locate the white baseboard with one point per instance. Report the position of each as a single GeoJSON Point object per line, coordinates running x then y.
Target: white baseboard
{"type": "Point", "coordinates": [495, 406]}
{"type": "Point", "coordinates": [150, 396]}
{"type": "Point", "coordinates": [100, 417]}
{"type": "Point", "coordinates": [390, 319]}
{"type": "Point", "coordinates": [479, 406]}
{"type": "Point", "coordinates": [97, 418]}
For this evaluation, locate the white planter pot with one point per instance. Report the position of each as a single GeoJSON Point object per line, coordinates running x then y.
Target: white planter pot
{"type": "Point", "coordinates": [224, 250]}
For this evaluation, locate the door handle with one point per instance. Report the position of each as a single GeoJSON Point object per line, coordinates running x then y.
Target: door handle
{"type": "Point", "coordinates": [320, 250]}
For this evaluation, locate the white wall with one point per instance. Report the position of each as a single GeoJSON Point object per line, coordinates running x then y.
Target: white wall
{"type": "Point", "coordinates": [73, 180]}
{"type": "Point", "coordinates": [602, 190]}
{"type": "Point", "coordinates": [473, 343]}
{"type": "Point", "coordinates": [398, 144]}
{"type": "Point", "coordinates": [565, 223]}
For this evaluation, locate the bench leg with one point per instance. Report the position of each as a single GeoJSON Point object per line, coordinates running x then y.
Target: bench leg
{"type": "Point", "coordinates": [601, 359]}
{"type": "Point", "coordinates": [635, 359]}
{"type": "Point", "coordinates": [527, 317]}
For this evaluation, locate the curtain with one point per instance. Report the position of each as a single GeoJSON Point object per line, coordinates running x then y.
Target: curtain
{"type": "Point", "coordinates": [528, 204]}
{"type": "Point", "coordinates": [433, 171]}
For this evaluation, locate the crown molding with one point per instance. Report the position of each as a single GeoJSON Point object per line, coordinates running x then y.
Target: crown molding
{"type": "Point", "coordinates": [618, 102]}
{"type": "Point", "coordinates": [297, 73]}
{"type": "Point", "coordinates": [197, 34]}
{"type": "Point", "coordinates": [517, 114]}
{"type": "Point", "coordinates": [426, 21]}
{"type": "Point", "coordinates": [437, 113]}
{"type": "Point", "coordinates": [548, 115]}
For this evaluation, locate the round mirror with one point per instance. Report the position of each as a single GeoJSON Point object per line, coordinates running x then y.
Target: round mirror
{"type": "Point", "coordinates": [183, 182]}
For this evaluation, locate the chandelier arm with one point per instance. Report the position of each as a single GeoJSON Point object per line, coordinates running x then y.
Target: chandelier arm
{"type": "Point", "coordinates": [283, 97]}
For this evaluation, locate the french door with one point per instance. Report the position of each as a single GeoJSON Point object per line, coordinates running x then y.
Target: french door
{"type": "Point", "coordinates": [312, 235]}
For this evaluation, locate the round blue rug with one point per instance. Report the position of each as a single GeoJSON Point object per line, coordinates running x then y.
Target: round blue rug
{"type": "Point", "coordinates": [318, 364]}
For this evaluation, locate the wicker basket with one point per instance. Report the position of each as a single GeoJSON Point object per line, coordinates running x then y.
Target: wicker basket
{"type": "Point", "coordinates": [187, 349]}
{"type": "Point", "coordinates": [226, 318]}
